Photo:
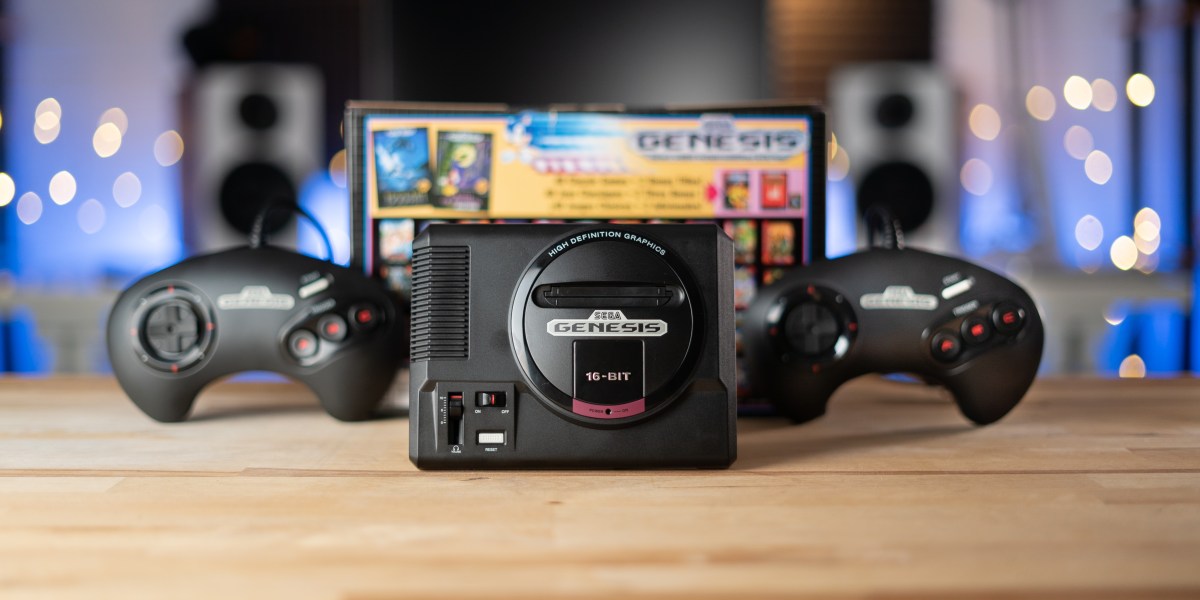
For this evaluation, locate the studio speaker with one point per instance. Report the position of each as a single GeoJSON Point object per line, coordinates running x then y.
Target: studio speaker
{"type": "Point", "coordinates": [896, 122]}
{"type": "Point", "coordinates": [253, 134]}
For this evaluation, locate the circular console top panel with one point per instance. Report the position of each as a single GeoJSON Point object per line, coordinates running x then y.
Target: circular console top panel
{"type": "Point", "coordinates": [610, 327]}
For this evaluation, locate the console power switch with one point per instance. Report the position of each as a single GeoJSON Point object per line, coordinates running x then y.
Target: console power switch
{"type": "Point", "coordinates": [496, 399]}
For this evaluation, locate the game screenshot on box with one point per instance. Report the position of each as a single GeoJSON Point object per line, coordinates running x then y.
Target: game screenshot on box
{"type": "Point", "coordinates": [751, 170]}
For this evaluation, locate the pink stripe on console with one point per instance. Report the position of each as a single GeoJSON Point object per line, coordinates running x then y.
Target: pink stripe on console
{"type": "Point", "coordinates": [600, 411]}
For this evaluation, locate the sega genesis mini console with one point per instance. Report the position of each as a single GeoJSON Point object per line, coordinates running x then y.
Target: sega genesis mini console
{"type": "Point", "coordinates": [572, 346]}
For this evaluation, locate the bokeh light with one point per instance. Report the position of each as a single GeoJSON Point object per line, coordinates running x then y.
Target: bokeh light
{"type": "Point", "coordinates": [127, 189]}
{"type": "Point", "coordinates": [1104, 95]}
{"type": "Point", "coordinates": [29, 208]}
{"type": "Point", "coordinates": [1077, 92]}
{"type": "Point", "coordinates": [976, 177]}
{"type": "Point", "coordinates": [1140, 89]}
{"type": "Point", "coordinates": [1133, 367]}
{"type": "Point", "coordinates": [337, 168]}
{"type": "Point", "coordinates": [1147, 223]}
{"type": "Point", "coordinates": [8, 189]}
{"type": "Point", "coordinates": [1098, 166]}
{"type": "Point", "coordinates": [1123, 252]}
{"type": "Point", "coordinates": [117, 117]}
{"type": "Point", "coordinates": [1089, 232]}
{"type": "Point", "coordinates": [1078, 142]}
{"type": "Point", "coordinates": [107, 140]}
{"type": "Point", "coordinates": [62, 187]}
{"type": "Point", "coordinates": [47, 115]}
{"type": "Point", "coordinates": [984, 122]}
{"type": "Point", "coordinates": [45, 136]}
{"type": "Point", "coordinates": [1147, 228]}
{"type": "Point", "coordinates": [1040, 103]}
{"type": "Point", "coordinates": [1147, 263]}
{"type": "Point", "coordinates": [1114, 315]}
{"type": "Point", "coordinates": [91, 216]}
{"type": "Point", "coordinates": [168, 148]}
{"type": "Point", "coordinates": [1146, 247]}
{"type": "Point", "coordinates": [833, 146]}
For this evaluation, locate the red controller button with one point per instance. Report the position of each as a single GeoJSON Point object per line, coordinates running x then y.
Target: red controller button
{"type": "Point", "coordinates": [1008, 317]}
{"type": "Point", "coordinates": [364, 316]}
{"type": "Point", "coordinates": [332, 328]}
{"type": "Point", "coordinates": [946, 346]}
{"type": "Point", "coordinates": [976, 330]}
{"type": "Point", "coordinates": [302, 344]}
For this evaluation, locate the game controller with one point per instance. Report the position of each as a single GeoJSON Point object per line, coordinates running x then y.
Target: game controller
{"type": "Point", "coordinates": [893, 311]}
{"type": "Point", "coordinates": [255, 309]}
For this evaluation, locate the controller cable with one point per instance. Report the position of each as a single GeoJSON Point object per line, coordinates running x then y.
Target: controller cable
{"type": "Point", "coordinates": [258, 236]}
{"type": "Point", "coordinates": [883, 229]}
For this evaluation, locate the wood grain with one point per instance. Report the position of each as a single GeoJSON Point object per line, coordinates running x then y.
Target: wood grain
{"type": "Point", "coordinates": [1090, 489]}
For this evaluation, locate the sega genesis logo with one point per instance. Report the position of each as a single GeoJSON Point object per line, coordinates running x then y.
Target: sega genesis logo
{"type": "Point", "coordinates": [678, 144]}
{"type": "Point", "coordinates": [607, 323]}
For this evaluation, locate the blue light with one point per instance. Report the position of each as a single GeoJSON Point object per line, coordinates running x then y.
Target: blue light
{"type": "Point", "coordinates": [54, 249]}
{"type": "Point", "coordinates": [1154, 330]}
{"type": "Point", "coordinates": [1161, 337]}
{"type": "Point", "coordinates": [841, 217]}
{"type": "Point", "coordinates": [26, 351]}
{"type": "Point", "coordinates": [330, 205]}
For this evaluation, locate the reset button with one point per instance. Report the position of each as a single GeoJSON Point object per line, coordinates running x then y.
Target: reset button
{"type": "Point", "coordinates": [490, 437]}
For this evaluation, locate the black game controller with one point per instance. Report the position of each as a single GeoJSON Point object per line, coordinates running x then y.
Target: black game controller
{"type": "Point", "coordinates": [255, 309]}
{"type": "Point", "coordinates": [893, 311]}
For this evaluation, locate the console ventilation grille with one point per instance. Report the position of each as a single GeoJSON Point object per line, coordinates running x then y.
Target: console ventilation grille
{"type": "Point", "coordinates": [441, 302]}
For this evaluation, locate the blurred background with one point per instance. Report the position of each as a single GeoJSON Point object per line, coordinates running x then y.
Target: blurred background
{"type": "Point", "coordinates": [1051, 140]}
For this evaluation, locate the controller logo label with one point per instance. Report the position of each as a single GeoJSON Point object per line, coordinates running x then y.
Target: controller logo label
{"type": "Point", "coordinates": [255, 297]}
{"type": "Point", "coordinates": [898, 297]}
{"type": "Point", "coordinates": [607, 323]}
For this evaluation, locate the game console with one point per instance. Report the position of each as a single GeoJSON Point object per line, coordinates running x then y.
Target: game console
{"type": "Point", "coordinates": [572, 346]}
{"type": "Point", "coordinates": [889, 310]}
{"type": "Point", "coordinates": [255, 309]}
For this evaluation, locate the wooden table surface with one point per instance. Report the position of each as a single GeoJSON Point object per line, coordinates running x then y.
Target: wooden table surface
{"type": "Point", "coordinates": [1089, 489]}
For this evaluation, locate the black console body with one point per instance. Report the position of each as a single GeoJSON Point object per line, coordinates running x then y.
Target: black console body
{"type": "Point", "coordinates": [572, 346]}
{"type": "Point", "coordinates": [894, 311]}
{"type": "Point", "coordinates": [255, 309]}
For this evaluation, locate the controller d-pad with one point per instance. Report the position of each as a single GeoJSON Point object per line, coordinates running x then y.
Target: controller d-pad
{"type": "Point", "coordinates": [811, 328]}
{"type": "Point", "coordinates": [172, 328]}
{"type": "Point", "coordinates": [815, 325]}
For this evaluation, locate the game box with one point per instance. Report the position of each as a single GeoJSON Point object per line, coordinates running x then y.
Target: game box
{"type": "Point", "coordinates": [756, 170]}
